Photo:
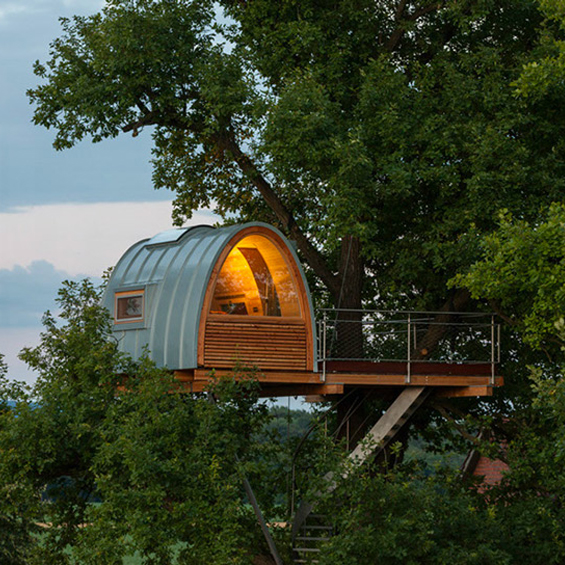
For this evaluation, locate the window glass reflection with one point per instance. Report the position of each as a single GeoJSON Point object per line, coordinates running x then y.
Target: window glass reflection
{"type": "Point", "coordinates": [128, 306]}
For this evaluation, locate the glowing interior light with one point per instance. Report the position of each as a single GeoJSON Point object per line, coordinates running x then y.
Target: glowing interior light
{"type": "Point", "coordinates": [255, 280]}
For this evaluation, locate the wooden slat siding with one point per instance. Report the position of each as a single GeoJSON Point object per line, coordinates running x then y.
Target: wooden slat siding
{"type": "Point", "coordinates": [267, 344]}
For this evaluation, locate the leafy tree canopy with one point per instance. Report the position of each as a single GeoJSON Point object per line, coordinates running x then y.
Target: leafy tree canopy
{"type": "Point", "coordinates": [522, 273]}
{"type": "Point", "coordinates": [544, 76]}
{"type": "Point", "coordinates": [90, 476]}
{"type": "Point", "coordinates": [146, 470]}
{"type": "Point", "coordinates": [381, 136]}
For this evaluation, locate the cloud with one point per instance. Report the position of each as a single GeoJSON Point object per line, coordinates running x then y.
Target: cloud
{"type": "Point", "coordinates": [26, 293]}
{"type": "Point", "coordinates": [8, 9]}
{"type": "Point", "coordinates": [31, 171]}
{"type": "Point", "coordinates": [95, 4]}
{"type": "Point", "coordinates": [12, 341]}
{"type": "Point", "coordinates": [44, 245]}
{"type": "Point", "coordinates": [82, 238]}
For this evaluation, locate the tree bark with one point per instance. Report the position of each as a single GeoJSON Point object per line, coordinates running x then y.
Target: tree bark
{"type": "Point", "coordinates": [347, 342]}
{"type": "Point", "coordinates": [316, 260]}
{"type": "Point", "coordinates": [440, 324]}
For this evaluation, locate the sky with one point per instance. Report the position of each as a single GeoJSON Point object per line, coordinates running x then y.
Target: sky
{"type": "Point", "coordinates": [63, 215]}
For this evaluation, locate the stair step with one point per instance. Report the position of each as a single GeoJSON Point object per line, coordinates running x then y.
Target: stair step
{"type": "Point", "coordinates": [406, 403]}
{"type": "Point", "coordinates": [308, 549]}
{"type": "Point", "coordinates": [315, 527]}
{"type": "Point", "coordinates": [311, 538]}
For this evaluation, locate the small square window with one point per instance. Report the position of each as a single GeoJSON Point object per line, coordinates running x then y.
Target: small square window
{"type": "Point", "coordinates": [129, 306]}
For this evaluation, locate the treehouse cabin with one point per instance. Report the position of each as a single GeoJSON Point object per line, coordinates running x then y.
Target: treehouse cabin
{"type": "Point", "coordinates": [202, 299]}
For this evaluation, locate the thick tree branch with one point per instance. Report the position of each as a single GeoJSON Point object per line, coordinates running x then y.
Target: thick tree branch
{"type": "Point", "coordinates": [400, 10]}
{"type": "Point", "coordinates": [148, 119]}
{"type": "Point", "coordinates": [400, 19]}
{"type": "Point", "coordinates": [436, 330]}
{"type": "Point", "coordinates": [496, 308]}
{"type": "Point", "coordinates": [445, 414]}
{"type": "Point", "coordinates": [423, 11]}
{"type": "Point", "coordinates": [225, 141]}
{"type": "Point", "coordinates": [315, 259]}
{"type": "Point", "coordinates": [479, 441]}
{"type": "Point", "coordinates": [167, 118]}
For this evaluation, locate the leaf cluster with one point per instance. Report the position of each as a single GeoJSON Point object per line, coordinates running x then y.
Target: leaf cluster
{"type": "Point", "coordinates": [394, 123]}
{"type": "Point", "coordinates": [405, 516]}
{"type": "Point", "coordinates": [103, 458]}
{"type": "Point", "coordinates": [523, 273]}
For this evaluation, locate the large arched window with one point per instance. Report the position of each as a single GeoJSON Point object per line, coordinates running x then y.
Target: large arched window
{"type": "Point", "coordinates": [255, 280]}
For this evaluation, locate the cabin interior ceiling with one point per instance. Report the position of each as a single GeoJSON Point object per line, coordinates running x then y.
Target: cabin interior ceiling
{"type": "Point", "coordinates": [255, 280]}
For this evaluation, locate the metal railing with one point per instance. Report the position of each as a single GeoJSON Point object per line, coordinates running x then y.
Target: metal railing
{"type": "Point", "coordinates": [407, 337]}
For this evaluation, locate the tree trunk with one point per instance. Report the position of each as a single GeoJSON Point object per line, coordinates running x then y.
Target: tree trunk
{"type": "Point", "coordinates": [438, 329]}
{"type": "Point", "coordinates": [347, 341]}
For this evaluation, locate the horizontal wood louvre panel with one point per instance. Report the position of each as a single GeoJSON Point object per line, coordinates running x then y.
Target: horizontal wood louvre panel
{"type": "Point", "coordinates": [267, 345]}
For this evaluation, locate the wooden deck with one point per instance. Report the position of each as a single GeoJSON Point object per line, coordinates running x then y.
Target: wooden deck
{"type": "Point", "coordinates": [450, 379]}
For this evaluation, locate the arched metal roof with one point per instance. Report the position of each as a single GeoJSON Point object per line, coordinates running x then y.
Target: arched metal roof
{"type": "Point", "coordinates": [173, 270]}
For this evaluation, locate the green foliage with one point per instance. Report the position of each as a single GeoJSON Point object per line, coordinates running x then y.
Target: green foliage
{"type": "Point", "coordinates": [385, 138]}
{"type": "Point", "coordinates": [404, 518]}
{"type": "Point", "coordinates": [398, 127]}
{"type": "Point", "coordinates": [523, 273]}
{"type": "Point", "coordinates": [15, 529]}
{"type": "Point", "coordinates": [168, 473]}
{"type": "Point", "coordinates": [289, 423]}
{"type": "Point", "coordinates": [542, 76]}
{"type": "Point", "coordinates": [113, 462]}
{"type": "Point", "coordinates": [407, 517]}
{"type": "Point", "coordinates": [51, 433]}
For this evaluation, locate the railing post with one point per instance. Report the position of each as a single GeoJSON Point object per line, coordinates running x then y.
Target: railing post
{"type": "Point", "coordinates": [498, 342]}
{"type": "Point", "coordinates": [492, 351]}
{"type": "Point", "coordinates": [408, 367]}
{"type": "Point", "coordinates": [324, 344]}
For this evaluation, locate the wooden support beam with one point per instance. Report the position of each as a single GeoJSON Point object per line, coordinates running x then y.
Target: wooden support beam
{"type": "Point", "coordinates": [301, 390]}
{"type": "Point", "coordinates": [305, 383]}
{"type": "Point", "coordinates": [295, 377]}
{"type": "Point", "coordinates": [407, 402]}
{"type": "Point", "coordinates": [275, 391]}
{"type": "Point", "coordinates": [463, 391]}
{"type": "Point", "coordinates": [415, 380]}
{"type": "Point", "coordinates": [378, 437]}
{"type": "Point", "coordinates": [192, 386]}
{"type": "Point", "coordinates": [185, 375]}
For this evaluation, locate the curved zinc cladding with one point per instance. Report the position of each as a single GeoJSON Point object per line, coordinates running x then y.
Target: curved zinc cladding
{"type": "Point", "coordinates": [211, 297]}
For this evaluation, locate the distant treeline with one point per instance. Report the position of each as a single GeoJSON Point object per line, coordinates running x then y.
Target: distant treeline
{"type": "Point", "coordinates": [290, 423]}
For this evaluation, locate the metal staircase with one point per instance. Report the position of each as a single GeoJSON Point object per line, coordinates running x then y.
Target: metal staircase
{"type": "Point", "coordinates": [310, 531]}
{"type": "Point", "coordinates": [313, 533]}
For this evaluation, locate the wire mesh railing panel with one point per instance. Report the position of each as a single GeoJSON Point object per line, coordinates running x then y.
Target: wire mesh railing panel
{"type": "Point", "coordinates": [381, 336]}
